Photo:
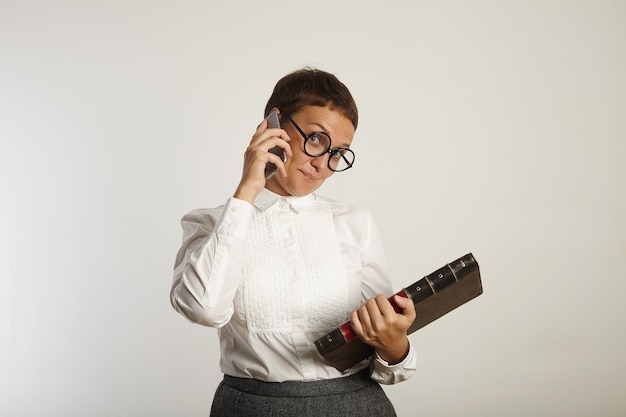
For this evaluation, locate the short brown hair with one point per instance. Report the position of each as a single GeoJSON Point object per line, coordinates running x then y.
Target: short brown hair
{"type": "Point", "coordinates": [312, 87]}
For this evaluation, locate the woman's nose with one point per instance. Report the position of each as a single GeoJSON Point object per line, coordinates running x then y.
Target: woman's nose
{"type": "Point", "coordinates": [318, 162]}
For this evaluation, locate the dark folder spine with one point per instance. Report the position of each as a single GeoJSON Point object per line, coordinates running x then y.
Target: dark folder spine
{"type": "Point", "coordinates": [419, 291]}
{"type": "Point", "coordinates": [331, 341]}
{"type": "Point", "coordinates": [332, 344]}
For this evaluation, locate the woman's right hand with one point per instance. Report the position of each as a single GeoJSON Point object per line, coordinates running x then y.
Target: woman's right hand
{"type": "Point", "coordinates": [256, 157]}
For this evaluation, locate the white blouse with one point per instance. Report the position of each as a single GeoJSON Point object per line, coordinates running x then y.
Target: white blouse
{"type": "Point", "coordinates": [275, 276]}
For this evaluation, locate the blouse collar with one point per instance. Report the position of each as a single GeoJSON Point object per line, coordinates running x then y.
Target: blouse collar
{"type": "Point", "coordinates": [267, 199]}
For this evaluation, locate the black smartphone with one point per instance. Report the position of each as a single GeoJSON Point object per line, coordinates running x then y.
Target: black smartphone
{"type": "Point", "coordinates": [273, 123]}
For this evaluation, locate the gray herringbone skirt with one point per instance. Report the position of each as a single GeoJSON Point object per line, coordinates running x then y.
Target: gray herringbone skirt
{"type": "Point", "coordinates": [356, 395]}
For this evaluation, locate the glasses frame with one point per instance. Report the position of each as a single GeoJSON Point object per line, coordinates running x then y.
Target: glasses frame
{"type": "Point", "coordinates": [331, 152]}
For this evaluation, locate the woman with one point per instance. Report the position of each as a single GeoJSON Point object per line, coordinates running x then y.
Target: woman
{"type": "Point", "coordinates": [277, 266]}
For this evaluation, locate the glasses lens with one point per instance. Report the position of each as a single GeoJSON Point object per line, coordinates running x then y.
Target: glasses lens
{"type": "Point", "coordinates": [317, 144]}
{"type": "Point", "coordinates": [341, 159]}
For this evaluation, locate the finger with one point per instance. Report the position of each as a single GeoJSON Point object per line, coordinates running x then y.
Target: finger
{"type": "Point", "coordinates": [365, 318]}
{"type": "Point", "coordinates": [355, 322]}
{"type": "Point", "coordinates": [262, 126]}
{"type": "Point", "coordinates": [262, 135]}
{"type": "Point", "coordinates": [407, 308]}
{"type": "Point", "coordinates": [374, 320]}
{"type": "Point", "coordinates": [278, 162]}
{"type": "Point", "coordinates": [385, 306]}
{"type": "Point", "coordinates": [376, 316]}
{"type": "Point", "coordinates": [263, 131]}
{"type": "Point", "coordinates": [273, 131]}
{"type": "Point", "coordinates": [261, 144]}
{"type": "Point", "coordinates": [286, 147]}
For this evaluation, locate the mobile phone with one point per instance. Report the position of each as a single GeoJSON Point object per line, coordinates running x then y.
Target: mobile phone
{"type": "Point", "coordinates": [273, 123]}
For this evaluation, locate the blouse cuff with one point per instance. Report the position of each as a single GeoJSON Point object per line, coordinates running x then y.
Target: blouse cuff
{"type": "Point", "coordinates": [235, 218]}
{"type": "Point", "coordinates": [384, 373]}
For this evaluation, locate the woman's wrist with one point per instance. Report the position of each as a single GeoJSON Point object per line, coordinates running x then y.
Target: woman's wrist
{"type": "Point", "coordinates": [246, 193]}
{"type": "Point", "coordinates": [394, 354]}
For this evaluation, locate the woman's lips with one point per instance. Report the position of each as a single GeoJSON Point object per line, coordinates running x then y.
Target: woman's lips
{"type": "Point", "coordinates": [308, 176]}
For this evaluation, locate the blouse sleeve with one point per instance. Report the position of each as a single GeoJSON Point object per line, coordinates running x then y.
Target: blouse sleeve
{"type": "Point", "coordinates": [386, 374]}
{"type": "Point", "coordinates": [376, 281]}
{"type": "Point", "coordinates": [207, 270]}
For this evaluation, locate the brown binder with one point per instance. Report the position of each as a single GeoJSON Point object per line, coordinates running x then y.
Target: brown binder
{"type": "Point", "coordinates": [434, 295]}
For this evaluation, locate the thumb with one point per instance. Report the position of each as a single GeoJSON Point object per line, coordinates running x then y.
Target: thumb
{"type": "Point", "coordinates": [406, 305]}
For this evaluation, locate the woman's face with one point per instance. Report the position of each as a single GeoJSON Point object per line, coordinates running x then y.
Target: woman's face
{"type": "Point", "coordinates": [306, 174]}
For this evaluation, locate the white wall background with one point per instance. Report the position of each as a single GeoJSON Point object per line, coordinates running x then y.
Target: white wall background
{"type": "Point", "coordinates": [496, 127]}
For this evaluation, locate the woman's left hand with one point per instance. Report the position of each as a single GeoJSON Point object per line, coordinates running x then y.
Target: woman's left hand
{"type": "Point", "coordinates": [377, 324]}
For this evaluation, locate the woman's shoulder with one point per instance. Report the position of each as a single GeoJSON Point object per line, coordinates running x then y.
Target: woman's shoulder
{"type": "Point", "coordinates": [341, 209]}
{"type": "Point", "coordinates": [233, 210]}
{"type": "Point", "coordinates": [202, 219]}
{"type": "Point", "coordinates": [202, 215]}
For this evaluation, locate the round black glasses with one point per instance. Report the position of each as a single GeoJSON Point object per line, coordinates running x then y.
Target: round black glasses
{"type": "Point", "coordinates": [317, 144]}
